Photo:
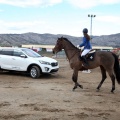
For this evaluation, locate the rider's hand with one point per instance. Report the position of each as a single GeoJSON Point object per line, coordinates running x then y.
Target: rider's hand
{"type": "Point", "coordinates": [78, 46]}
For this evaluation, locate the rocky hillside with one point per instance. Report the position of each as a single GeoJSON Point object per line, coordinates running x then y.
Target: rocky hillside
{"type": "Point", "coordinates": [50, 39]}
{"type": "Point", "coordinates": [107, 40]}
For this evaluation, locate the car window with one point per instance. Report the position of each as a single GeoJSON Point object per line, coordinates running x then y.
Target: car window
{"type": "Point", "coordinates": [0, 51]}
{"type": "Point", "coordinates": [17, 53]}
{"type": "Point", "coordinates": [6, 52]}
{"type": "Point", "coordinates": [31, 53]}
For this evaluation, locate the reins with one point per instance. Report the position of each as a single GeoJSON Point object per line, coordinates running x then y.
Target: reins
{"type": "Point", "coordinates": [60, 47]}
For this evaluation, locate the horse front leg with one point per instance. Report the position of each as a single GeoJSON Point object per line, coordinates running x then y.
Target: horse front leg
{"type": "Point", "coordinates": [74, 78]}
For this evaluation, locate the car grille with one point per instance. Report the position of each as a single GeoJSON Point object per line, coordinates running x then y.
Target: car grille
{"type": "Point", "coordinates": [54, 64]}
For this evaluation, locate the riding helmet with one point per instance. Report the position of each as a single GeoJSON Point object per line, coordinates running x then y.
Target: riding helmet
{"type": "Point", "coordinates": [85, 30]}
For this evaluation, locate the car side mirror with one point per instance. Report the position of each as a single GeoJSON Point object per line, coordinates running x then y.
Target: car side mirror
{"type": "Point", "coordinates": [23, 56]}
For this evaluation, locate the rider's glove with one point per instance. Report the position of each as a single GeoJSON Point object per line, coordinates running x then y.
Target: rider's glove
{"type": "Point", "coordinates": [78, 47]}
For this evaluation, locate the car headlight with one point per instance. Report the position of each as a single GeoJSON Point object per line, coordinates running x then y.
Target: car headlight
{"type": "Point", "coordinates": [43, 62]}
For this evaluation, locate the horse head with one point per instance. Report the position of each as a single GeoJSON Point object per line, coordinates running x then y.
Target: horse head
{"type": "Point", "coordinates": [59, 45]}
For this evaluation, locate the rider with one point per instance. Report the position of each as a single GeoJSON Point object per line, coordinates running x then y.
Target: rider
{"type": "Point", "coordinates": [87, 45]}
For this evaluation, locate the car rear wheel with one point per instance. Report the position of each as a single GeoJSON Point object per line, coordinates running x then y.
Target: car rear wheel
{"type": "Point", "coordinates": [35, 72]}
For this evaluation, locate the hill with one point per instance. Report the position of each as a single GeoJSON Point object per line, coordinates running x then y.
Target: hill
{"type": "Point", "coordinates": [50, 39]}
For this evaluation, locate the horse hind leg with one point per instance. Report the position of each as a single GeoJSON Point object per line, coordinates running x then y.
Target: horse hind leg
{"type": "Point", "coordinates": [104, 76]}
{"type": "Point", "coordinates": [113, 83]}
{"type": "Point", "coordinates": [112, 76]}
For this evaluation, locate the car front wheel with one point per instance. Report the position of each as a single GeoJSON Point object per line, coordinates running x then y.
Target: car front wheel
{"type": "Point", "coordinates": [35, 72]}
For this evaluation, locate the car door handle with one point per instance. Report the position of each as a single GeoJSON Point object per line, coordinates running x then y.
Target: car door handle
{"type": "Point", "coordinates": [13, 58]}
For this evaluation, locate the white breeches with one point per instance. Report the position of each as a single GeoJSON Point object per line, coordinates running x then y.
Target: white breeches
{"type": "Point", "coordinates": [85, 52]}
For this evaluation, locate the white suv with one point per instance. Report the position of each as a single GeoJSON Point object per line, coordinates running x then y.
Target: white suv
{"type": "Point", "coordinates": [24, 59]}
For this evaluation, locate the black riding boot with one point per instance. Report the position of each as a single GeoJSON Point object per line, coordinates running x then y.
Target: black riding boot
{"type": "Point", "coordinates": [84, 60]}
{"type": "Point", "coordinates": [80, 58]}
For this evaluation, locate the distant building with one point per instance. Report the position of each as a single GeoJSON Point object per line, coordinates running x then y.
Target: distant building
{"type": "Point", "coordinates": [48, 48]}
{"type": "Point", "coordinates": [103, 48]}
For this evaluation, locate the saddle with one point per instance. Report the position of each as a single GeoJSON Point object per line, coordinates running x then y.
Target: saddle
{"type": "Point", "coordinates": [90, 55]}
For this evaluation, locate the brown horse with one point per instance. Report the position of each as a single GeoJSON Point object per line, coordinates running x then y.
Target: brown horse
{"type": "Point", "coordinates": [107, 61]}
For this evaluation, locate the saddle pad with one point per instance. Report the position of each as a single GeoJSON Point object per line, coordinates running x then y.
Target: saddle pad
{"type": "Point", "coordinates": [90, 56]}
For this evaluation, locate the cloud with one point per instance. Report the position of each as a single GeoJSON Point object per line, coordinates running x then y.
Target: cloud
{"type": "Point", "coordinates": [85, 4]}
{"type": "Point", "coordinates": [27, 3]}
{"type": "Point", "coordinates": [109, 19]}
{"type": "Point", "coordinates": [21, 27]}
{"type": "Point", "coordinates": [38, 27]}
{"type": "Point", "coordinates": [1, 10]}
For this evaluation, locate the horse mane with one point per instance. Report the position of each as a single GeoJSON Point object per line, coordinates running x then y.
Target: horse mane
{"type": "Point", "coordinates": [68, 41]}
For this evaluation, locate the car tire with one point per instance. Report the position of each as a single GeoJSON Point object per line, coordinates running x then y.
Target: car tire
{"type": "Point", "coordinates": [35, 72]}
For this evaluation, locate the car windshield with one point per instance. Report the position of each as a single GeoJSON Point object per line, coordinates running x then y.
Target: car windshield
{"type": "Point", "coordinates": [31, 53]}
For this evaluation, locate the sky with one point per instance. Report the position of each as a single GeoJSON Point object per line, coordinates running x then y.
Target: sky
{"type": "Point", "coordinates": [59, 16]}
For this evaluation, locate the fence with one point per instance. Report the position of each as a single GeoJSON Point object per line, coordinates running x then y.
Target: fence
{"type": "Point", "coordinates": [60, 54]}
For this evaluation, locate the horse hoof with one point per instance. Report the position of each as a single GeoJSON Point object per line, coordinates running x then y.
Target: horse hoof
{"type": "Point", "coordinates": [97, 90]}
{"type": "Point", "coordinates": [112, 91]}
{"type": "Point", "coordinates": [73, 89]}
{"type": "Point", "coordinates": [81, 86]}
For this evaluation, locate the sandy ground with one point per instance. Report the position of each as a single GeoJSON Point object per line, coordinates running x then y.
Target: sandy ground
{"type": "Point", "coordinates": [51, 97]}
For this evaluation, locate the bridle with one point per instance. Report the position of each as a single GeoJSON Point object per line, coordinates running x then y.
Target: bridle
{"type": "Point", "coordinates": [60, 47]}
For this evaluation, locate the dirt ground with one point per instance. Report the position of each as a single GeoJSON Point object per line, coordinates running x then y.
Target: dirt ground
{"type": "Point", "coordinates": [51, 97]}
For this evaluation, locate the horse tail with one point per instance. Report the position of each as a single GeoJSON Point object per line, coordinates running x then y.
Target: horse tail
{"type": "Point", "coordinates": [116, 68]}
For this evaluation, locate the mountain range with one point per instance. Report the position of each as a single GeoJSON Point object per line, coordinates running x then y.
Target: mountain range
{"type": "Point", "coordinates": [50, 39]}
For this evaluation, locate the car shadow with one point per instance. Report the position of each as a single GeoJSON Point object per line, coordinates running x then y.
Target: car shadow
{"type": "Point", "coordinates": [24, 74]}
